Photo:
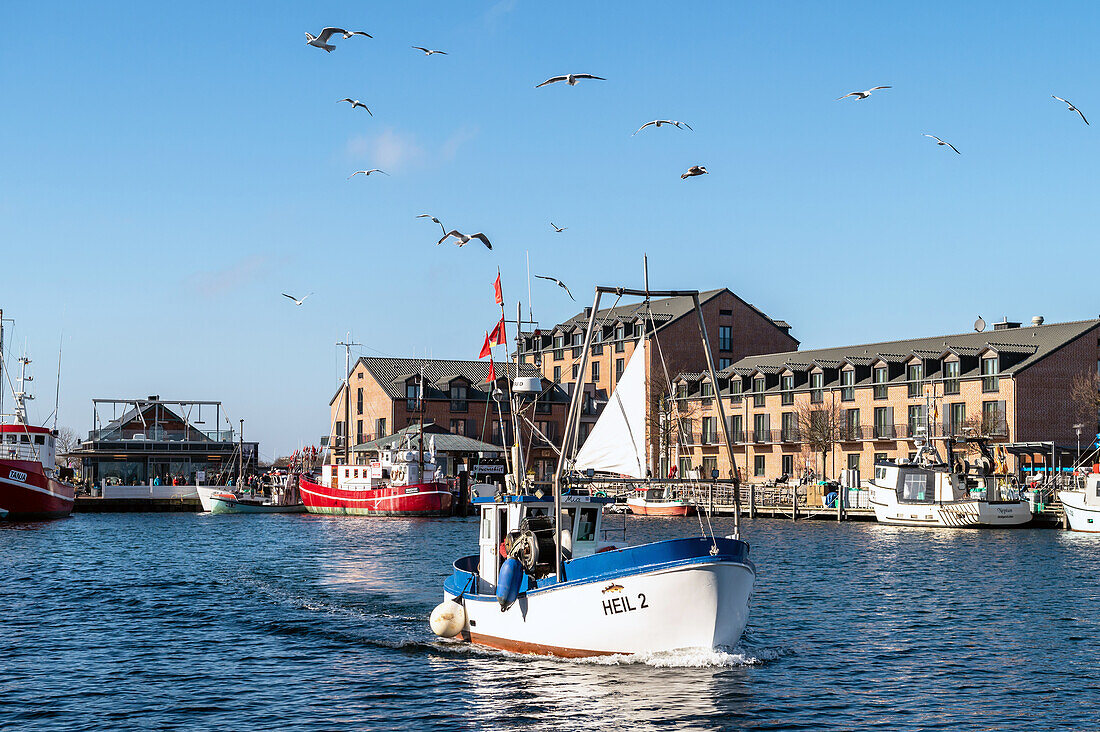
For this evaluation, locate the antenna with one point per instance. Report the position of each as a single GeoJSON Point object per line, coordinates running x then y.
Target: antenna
{"type": "Point", "coordinates": [347, 344]}
{"type": "Point", "coordinates": [530, 313]}
{"type": "Point", "coordinates": [57, 389]}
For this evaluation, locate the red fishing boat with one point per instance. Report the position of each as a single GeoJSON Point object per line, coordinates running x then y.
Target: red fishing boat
{"type": "Point", "coordinates": [31, 487]}
{"type": "Point", "coordinates": [371, 490]}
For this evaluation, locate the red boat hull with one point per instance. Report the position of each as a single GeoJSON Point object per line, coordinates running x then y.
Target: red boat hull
{"type": "Point", "coordinates": [426, 499]}
{"type": "Point", "coordinates": [28, 494]}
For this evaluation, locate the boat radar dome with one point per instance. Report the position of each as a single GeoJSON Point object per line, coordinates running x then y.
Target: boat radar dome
{"type": "Point", "coordinates": [527, 385]}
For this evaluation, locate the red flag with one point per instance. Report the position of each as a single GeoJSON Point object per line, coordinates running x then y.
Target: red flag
{"type": "Point", "coordinates": [497, 337]}
{"type": "Point", "coordinates": [492, 372]}
{"type": "Point", "coordinates": [497, 291]}
{"type": "Point", "coordinates": [486, 349]}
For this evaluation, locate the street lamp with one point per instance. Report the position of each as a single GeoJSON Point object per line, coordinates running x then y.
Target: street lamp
{"type": "Point", "coordinates": [1077, 428]}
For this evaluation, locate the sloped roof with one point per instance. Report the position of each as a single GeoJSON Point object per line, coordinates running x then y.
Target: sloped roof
{"type": "Point", "coordinates": [445, 441]}
{"type": "Point", "coordinates": [1034, 342]}
{"type": "Point", "coordinates": [392, 373]}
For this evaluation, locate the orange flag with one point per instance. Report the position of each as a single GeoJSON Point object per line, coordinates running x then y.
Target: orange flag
{"type": "Point", "coordinates": [497, 291]}
{"type": "Point", "coordinates": [486, 350]}
{"type": "Point", "coordinates": [497, 337]}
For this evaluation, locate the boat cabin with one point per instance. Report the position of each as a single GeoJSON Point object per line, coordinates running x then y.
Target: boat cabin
{"type": "Point", "coordinates": [396, 467]}
{"type": "Point", "coordinates": [581, 533]}
{"type": "Point", "coordinates": [1092, 490]}
{"type": "Point", "coordinates": [917, 483]}
{"type": "Point", "coordinates": [24, 442]}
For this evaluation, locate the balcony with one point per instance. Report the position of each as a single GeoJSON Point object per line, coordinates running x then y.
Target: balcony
{"type": "Point", "coordinates": [761, 436]}
{"type": "Point", "coordinates": [789, 435]}
{"type": "Point", "coordinates": [887, 431]}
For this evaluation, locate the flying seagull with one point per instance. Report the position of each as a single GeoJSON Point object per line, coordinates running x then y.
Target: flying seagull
{"type": "Point", "coordinates": [321, 41]}
{"type": "Point", "coordinates": [1071, 107]}
{"type": "Point", "coordinates": [463, 239]}
{"type": "Point", "coordinates": [570, 79]}
{"type": "Point", "coordinates": [693, 171]}
{"type": "Point", "coordinates": [428, 51]}
{"type": "Point", "coordinates": [557, 228]}
{"type": "Point", "coordinates": [941, 142]}
{"type": "Point", "coordinates": [433, 218]}
{"type": "Point", "coordinates": [367, 172]}
{"type": "Point", "coordinates": [560, 284]}
{"type": "Point", "coordinates": [861, 94]}
{"type": "Point", "coordinates": [660, 122]}
{"type": "Point", "coordinates": [356, 103]}
{"type": "Point", "coordinates": [296, 300]}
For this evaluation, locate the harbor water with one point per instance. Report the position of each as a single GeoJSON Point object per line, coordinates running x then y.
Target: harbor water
{"type": "Point", "coordinates": [297, 622]}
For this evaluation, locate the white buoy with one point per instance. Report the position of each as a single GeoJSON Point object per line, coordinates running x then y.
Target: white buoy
{"type": "Point", "coordinates": [448, 619]}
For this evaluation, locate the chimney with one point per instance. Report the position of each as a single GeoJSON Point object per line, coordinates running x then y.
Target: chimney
{"type": "Point", "coordinates": [1006, 324]}
{"type": "Point", "coordinates": [588, 311]}
{"type": "Point", "coordinates": [1037, 320]}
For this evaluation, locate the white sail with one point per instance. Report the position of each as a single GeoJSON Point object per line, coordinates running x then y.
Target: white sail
{"type": "Point", "coordinates": [617, 441]}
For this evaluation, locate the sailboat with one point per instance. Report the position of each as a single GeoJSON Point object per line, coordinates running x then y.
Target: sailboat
{"type": "Point", "coordinates": [544, 580]}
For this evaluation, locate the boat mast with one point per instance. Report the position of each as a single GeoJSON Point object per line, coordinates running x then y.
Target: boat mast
{"type": "Point", "coordinates": [240, 458]}
{"type": "Point", "coordinates": [1, 365]}
{"type": "Point", "coordinates": [420, 463]}
{"type": "Point", "coordinates": [347, 393]}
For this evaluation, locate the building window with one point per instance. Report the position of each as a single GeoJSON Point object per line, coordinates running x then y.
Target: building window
{"type": "Point", "coordinates": [575, 369]}
{"type": "Point", "coordinates": [951, 377]}
{"type": "Point", "coordinates": [458, 398]}
{"type": "Point", "coordinates": [458, 426]}
{"type": "Point", "coordinates": [759, 464]}
{"type": "Point", "coordinates": [788, 465]}
{"type": "Point", "coordinates": [786, 385]}
{"type": "Point", "coordinates": [817, 384]}
{"type": "Point", "coordinates": [380, 427]}
{"type": "Point", "coordinates": [851, 424]}
{"type": "Point", "coordinates": [725, 338]}
{"type": "Point", "coordinates": [685, 466]}
{"type": "Point", "coordinates": [709, 434]}
{"type": "Point", "coordinates": [706, 392]}
{"type": "Point", "coordinates": [620, 364]}
{"type": "Point", "coordinates": [880, 376]}
{"type": "Point", "coordinates": [597, 350]}
{"type": "Point", "coordinates": [847, 386]}
{"type": "Point", "coordinates": [497, 437]}
{"type": "Point", "coordinates": [957, 417]}
{"type": "Point", "coordinates": [788, 427]}
{"type": "Point", "coordinates": [411, 397]}
{"type": "Point", "coordinates": [557, 374]}
{"type": "Point", "coordinates": [595, 371]}
{"type": "Point", "coordinates": [990, 369]}
{"type": "Point", "coordinates": [913, 374]}
{"type": "Point", "coordinates": [682, 391]}
{"type": "Point", "coordinates": [916, 420]}
{"type": "Point", "coordinates": [884, 423]}
{"type": "Point", "coordinates": [710, 467]}
{"type": "Point", "coordinates": [760, 428]}
{"type": "Point", "coordinates": [736, 428]}
{"type": "Point", "coordinates": [853, 461]}
{"type": "Point", "coordinates": [758, 391]}
{"type": "Point", "coordinates": [620, 336]}
{"type": "Point", "coordinates": [735, 390]}
{"type": "Point", "coordinates": [880, 457]}
{"type": "Point", "coordinates": [359, 432]}
{"type": "Point", "coordinates": [685, 431]}
{"type": "Point", "coordinates": [359, 401]}
{"type": "Point", "coordinates": [994, 423]}
{"type": "Point", "coordinates": [724, 363]}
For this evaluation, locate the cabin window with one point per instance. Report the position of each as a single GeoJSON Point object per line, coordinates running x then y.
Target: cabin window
{"type": "Point", "coordinates": [486, 523]}
{"type": "Point", "coordinates": [586, 526]}
{"type": "Point", "coordinates": [915, 487]}
{"type": "Point", "coordinates": [25, 439]}
{"type": "Point", "coordinates": [355, 473]}
{"type": "Point", "coordinates": [880, 473]}
{"type": "Point", "coordinates": [347, 472]}
{"type": "Point", "coordinates": [39, 440]}
{"type": "Point", "coordinates": [537, 511]}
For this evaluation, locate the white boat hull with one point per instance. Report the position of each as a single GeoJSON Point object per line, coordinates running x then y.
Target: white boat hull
{"type": "Point", "coordinates": [1079, 516]}
{"type": "Point", "coordinates": [703, 605]}
{"type": "Point", "coordinates": [207, 493]}
{"type": "Point", "coordinates": [969, 513]}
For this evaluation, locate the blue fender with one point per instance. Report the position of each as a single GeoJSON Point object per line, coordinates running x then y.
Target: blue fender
{"type": "Point", "coordinates": [508, 581]}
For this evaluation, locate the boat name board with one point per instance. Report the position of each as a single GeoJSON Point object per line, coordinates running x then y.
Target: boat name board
{"type": "Point", "coordinates": [18, 475]}
{"type": "Point", "coordinates": [412, 489]}
{"type": "Point", "coordinates": [618, 605]}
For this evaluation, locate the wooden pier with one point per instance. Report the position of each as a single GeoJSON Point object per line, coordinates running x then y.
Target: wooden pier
{"type": "Point", "coordinates": [95, 504]}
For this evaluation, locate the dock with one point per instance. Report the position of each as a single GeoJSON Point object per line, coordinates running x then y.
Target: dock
{"type": "Point", "coordinates": [95, 504]}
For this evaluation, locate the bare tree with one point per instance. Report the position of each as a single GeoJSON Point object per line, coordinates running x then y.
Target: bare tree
{"type": "Point", "coordinates": [819, 427]}
{"type": "Point", "coordinates": [67, 441]}
{"type": "Point", "coordinates": [677, 423]}
{"type": "Point", "coordinates": [1084, 395]}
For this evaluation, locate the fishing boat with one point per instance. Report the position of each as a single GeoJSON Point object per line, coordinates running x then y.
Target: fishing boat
{"type": "Point", "coordinates": [31, 484]}
{"type": "Point", "coordinates": [546, 581]}
{"type": "Point", "coordinates": [650, 501]}
{"type": "Point", "coordinates": [1082, 506]}
{"type": "Point", "coordinates": [279, 494]}
{"type": "Point", "coordinates": [951, 493]}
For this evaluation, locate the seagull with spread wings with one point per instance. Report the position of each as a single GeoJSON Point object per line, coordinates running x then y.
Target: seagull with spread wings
{"type": "Point", "coordinates": [694, 171]}
{"type": "Point", "coordinates": [464, 239]}
{"type": "Point", "coordinates": [428, 51]}
{"type": "Point", "coordinates": [570, 79]}
{"type": "Point", "coordinates": [560, 284]}
{"type": "Point", "coordinates": [321, 40]}
{"type": "Point", "coordinates": [557, 228]}
{"type": "Point", "coordinates": [356, 103]}
{"type": "Point", "coordinates": [296, 300]}
{"type": "Point", "coordinates": [1071, 107]}
{"type": "Point", "coordinates": [942, 142]}
{"type": "Point", "coordinates": [861, 94]}
{"type": "Point", "coordinates": [367, 172]}
{"type": "Point", "coordinates": [433, 218]}
{"type": "Point", "coordinates": [659, 122]}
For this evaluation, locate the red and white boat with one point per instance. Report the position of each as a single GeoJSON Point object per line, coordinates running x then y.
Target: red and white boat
{"type": "Point", "coordinates": [655, 502]}
{"type": "Point", "coordinates": [30, 485]}
{"type": "Point", "coordinates": [390, 487]}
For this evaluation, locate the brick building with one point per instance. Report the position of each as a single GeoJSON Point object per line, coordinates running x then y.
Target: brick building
{"type": "Point", "coordinates": [384, 398]}
{"type": "Point", "coordinates": [1010, 384]}
{"type": "Point", "coordinates": [735, 329]}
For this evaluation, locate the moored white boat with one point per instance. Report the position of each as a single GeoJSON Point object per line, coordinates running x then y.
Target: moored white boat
{"type": "Point", "coordinates": [1082, 507]}
{"type": "Point", "coordinates": [655, 502]}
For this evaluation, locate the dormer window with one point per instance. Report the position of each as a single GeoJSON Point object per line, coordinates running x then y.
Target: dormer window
{"type": "Point", "coordinates": [817, 387]}
{"type": "Point", "coordinates": [735, 389]}
{"type": "Point", "coordinates": [880, 376]}
{"type": "Point", "coordinates": [706, 391]}
{"type": "Point", "coordinates": [914, 374]}
{"type": "Point", "coordinates": [758, 391]}
{"type": "Point", "coordinates": [620, 336]}
{"type": "Point", "coordinates": [786, 385]}
{"type": "Point", "coordinates": [950, 377]}
{"type": "Point", "coordinates": [847, 385]}
{"type": "Point", "coordinates": [990, 370]}
{"type": "Point", "coordinates": [458, 397]}
{"type": "Point", "coordinates": [412, 396]}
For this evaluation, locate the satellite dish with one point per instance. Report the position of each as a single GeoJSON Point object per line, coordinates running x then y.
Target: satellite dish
{"type": "Point", "coordinates": [979, 324]}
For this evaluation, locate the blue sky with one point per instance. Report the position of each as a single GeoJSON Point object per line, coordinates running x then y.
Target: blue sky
{"type": "Point", "coordinates": [161, 188]}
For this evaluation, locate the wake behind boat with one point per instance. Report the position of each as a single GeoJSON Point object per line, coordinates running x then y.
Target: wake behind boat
{"type": "Point", "coordinates": [545, 580]}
